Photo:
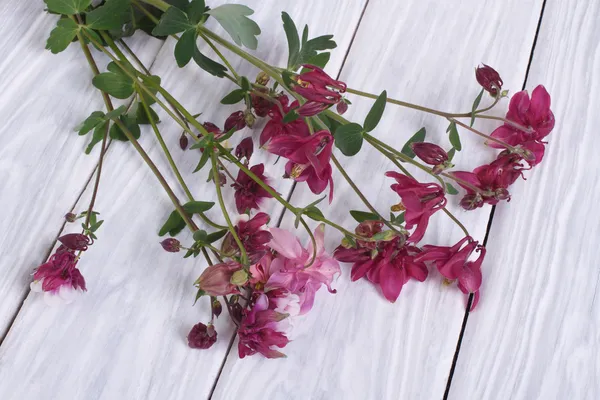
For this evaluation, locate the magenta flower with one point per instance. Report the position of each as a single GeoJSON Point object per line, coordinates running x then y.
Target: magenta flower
{"type": "Point", "coordinates": [245, 149]}
{"type": "Point", "coordinates": [315, 85]}
{"type": "Point", "coordinates": [431, 154]}
{"type": "Point", "coordinates": [201, 336]}
{"type": "Point", "coordinates": [421, 201]}
{"type": "Point", "coordinates": [290, 269]}
{"type": "Point", "coordinates": [75, 241]}
{"type": "Point", "coordinates": [491, 180]}
{"type": "Point", "coordinates": [215, 280]}
{"type": "Point", "coordinates": [254, 235]}
{"type": "Point", "coordinates": [308, 159]}
{"type": "Point", "coordinates": [311, 108]}
{"type": "Point", "coordinates": [236, 120]}
{"type": "Point", "coordinates": [261, 105]}
{"type": "Point", "coordinates": [276, 127]}
{"type": "Point", "coordinates": [533, 113]}
{"type": "Point", "coordinates": [470, 279]}
{"type": "Point", "coordinates": [249, 194]}
{"type": "Point", "coordinates": [489, 79]}
{"type": "Point", "coordinates": [58, 278]}
{"type": "Point", "coordinates": [261, 329]}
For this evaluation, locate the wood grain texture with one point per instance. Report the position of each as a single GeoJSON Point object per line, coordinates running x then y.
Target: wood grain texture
{"type": "Point", "coordinates": [42, 165]}
{"type": "Point", "coordinates": [536, 334]}
{"type": "Point", "coordinates": [355, 345]}
{"type": "Point", "coordinates": [126, 338]}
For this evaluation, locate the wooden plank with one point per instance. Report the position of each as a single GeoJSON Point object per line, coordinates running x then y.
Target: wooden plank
{"type": "Point", "coordinates": [42, 165]}
{"type": "Point", "coordinates": [354, 344]}
{"type": "Point", "coordinates": [126, 338]}
{"type": "Point", "coordinates": [537, 332]}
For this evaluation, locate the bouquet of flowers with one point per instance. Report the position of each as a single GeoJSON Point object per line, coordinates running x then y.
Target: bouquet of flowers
{"type": "Point", "coordinates": [264, 276]}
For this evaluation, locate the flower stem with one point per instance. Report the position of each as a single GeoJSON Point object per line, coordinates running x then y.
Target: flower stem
{"type": "Point", "coordinates": [483, 135]}
{"type": "Point", "coordinates": [221, 56]}
{"type": "Point", "coordinates": [314, 242]}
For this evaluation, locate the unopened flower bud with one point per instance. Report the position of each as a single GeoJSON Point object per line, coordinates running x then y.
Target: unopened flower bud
{"type": "Point", "coordinates": [201, 337]}
{"type": "Point", "coordinates": [171, 245]}
{"type": "Point", "coordinates": [262, 78]}
{"type": "Point", "coordinates": [502, 194]}
{"type": "Point", "coordinates": [239, 277]}
{"type": "Point", "coordinates": [75, 241]}
{"type": "Point", "coordinates": [216, 279]}
{"type": "Point", "coordinates": [249, 118]}
{"type": "Point", "coordinates": [70, 217]}
{"type": "Point", "coordinates": [429, 153]}
{"type": "Point", "coordinates": [216, 307]}
{"type": "Point", "coordinates": [183, 141]}
{"type": "Point", "coordinates": [237, 312]}
{"type": "Point", "coordinates": [489, 79]}
{"type": "Point", "coordinates": [245, 149]}
{"type": "Point", "coordinates": [311, 108]}
{"type": "Point", "coordinates": [341, 107]}
{"type": "Point", "coordinates": [471, 201]}
{"type": "Point", "coordinates": [236, 120]}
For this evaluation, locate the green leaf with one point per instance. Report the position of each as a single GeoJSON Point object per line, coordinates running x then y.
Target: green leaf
{"type": "Point", "coordinates": [416, 138]}
{"type": "Point", "coordinates": [291, 32]}
{"type": "Point", "coordinates": [454, 137]}
{"type": "Point", "coordinates": [331, 124]}
{"type": "Point", "coordinates": [172, 21]}
{"type": "Point", "coordinates": [67, 7]}
{"type": "Point", "coordinates": [112, 15]}
{"type": "Point", "coordinates": [213, 237]}
{"type": "Point", "coordinates": [61, 36]}
{"type": "Point", "coordinates": [475, 105]}
{"type": "Point", "coordinates": [397, 220]}
{"type": "Point", "coordinates": [451, 154]}
{"type": "Point", "coordinates": [94, 227]}
{"type": "Point", "coordinates": [203, 159]}
{"type": "Point", "coordinates": [195, 10]}
{"type": "Point", "coordinates": [197, 207]}
{"type": "Point", "coordinates": [200, 236]}
{"type": "Point", "coordinates": [210, 66]}
{"type": "Point", "coordinates": [374, 115]}
{"type": "Point", "coordinates": [199, 294]}
{"type": "Point", "coordinates": [320, 60]}
{"type": "Point", "coordinates": [141, 117]}
{"type": "Point", "coordinates": [96, 137]}
{"type": "Point", "coordinates": [130, 123]}
{"type": "Point", "coordinates": [117, 85]}
{"type": "Point", "coordinates": [151, 82]}
{"type": "Point", "coordinates": [314, 213]}
{"type": "Point", "coordinates": [116, 112]}
{"type": "Point", "coordinates": [361, 216]}
{"type": "Point", "coordinates": [451, 189]}
{"type": "Point", "coordinates": [245, 84]}
{"type": "Point", "coordinates": [233, 18]}
{"type": "Point", "coordinates": [349, 138]}
{"type": "Point", "coordinates": [311, 47]}
{"type": "Point", "coordinates": [173, 225]}
{"type": "Point", "coordinates": [185, 47]}
{"type": "Point", "coordinates": [95, 119]}
{"type": "Point", "coordinates": [234, 97]}
{"type": "Point", "coordinates": [290, 116]}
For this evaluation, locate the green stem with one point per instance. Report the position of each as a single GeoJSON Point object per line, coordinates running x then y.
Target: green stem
{"type": "Point", "coordinates": [160, 4]}
{"type": "Point", "coordinates": [221, 56]}
{"type": "Point", "coordinates": [483, 135]}
{"type": "Point", "coordinates": [217, 179]}
{"type": "Point", "coordinates": [314, 242]}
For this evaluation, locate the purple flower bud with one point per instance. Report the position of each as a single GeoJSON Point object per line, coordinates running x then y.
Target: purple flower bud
{"type": "Point", "coordinates": [489, 79]}
{"type": "Point", "coordinates": [216, 307]}
{"type": "Point", "coordinates": [311, 108]}
{"type": "Point", "coordinates": [471, 201]}
{"type": "Point", "coordinates": [430, 153]}
{"type": "Point", "coordinates": [245, 149]}
{"type": "Point", "coordinates": [201, 337]}
{"type": "Point", "coordinates": [171, 245]}
{"type": "Point", "coordinates": [236, 120]}
{"type": "Point", "coordinates": [237, 312]}
{"type": "Point", "coordinates": [183, 141]}
{"type": "Point", "coordinates": [75, 241]}
{"type": "Point", "coordinates": [70, 217]}
{"type": "Point", "coordinates": [341, 107]}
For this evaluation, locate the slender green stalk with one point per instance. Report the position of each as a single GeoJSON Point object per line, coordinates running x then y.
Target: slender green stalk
{"type": "Point", "coordinates": [217, 179]}
{"type": "Point", "coordinates": [160, 4]}
{"type": "Point", "coordinates": [221, 56]}
{"type": "Point", "coordinates": [483, 135]}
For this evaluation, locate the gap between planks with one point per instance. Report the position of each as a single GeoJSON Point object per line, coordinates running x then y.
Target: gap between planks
{"type": "Point", "coordinates": [489, 225]}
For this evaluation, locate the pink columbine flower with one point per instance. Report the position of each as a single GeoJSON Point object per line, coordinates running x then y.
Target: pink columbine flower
{"type": "Point", "coordinates": [254, 235]}
{"type": "Point", "coordinates": [315, 85]}
{"type": "Point", "coordinates": [248, 193]}
{"type": "Point", "coordinates": [290, 268]}
{"type": "Point", "coordinates": [261, 330]}
{"type": "Point", "coordinates": [215, 280]}
{"type": "Point", "coordinates": [202, 336]}
{"type": "Point", "coordinates": [236, 120]}
{"type": "Point", "coordinates": [59, 279]}
{"type": "Point", "coordinates": [533, 113]}
{"type": "Point", "coordinates": [421, 201]}
{"type": "Point", "coordinates": [276, 127]}
{"type": "Point", "coordinates": [308, 159]}
{"type": "Point", "coordinates": [245, 149]}
{"type": "Point", "coordinates": [489, 79]}
{"type": "Point", "coordinates": [492, 180]}
{"type": "Point", "coordinates": [470, 279]}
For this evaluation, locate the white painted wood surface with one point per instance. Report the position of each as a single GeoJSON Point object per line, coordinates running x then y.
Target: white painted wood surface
{"type": "Point", "coordinates": [537, 333]}
{"type": "Point", "coordinates": [355, 345]}
{"type": "Point", "coordinates": [42, 165]}
{"type": "Point", "coordinates": [126, 338]}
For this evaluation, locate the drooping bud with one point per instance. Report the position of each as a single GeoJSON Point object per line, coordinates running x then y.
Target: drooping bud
{"type": "Point", "coordinates": [70, 217]}
{"type": "Point", "coordinates": [471, 201]}
{"type": "Point", "coordinates": [262, 78]}
{"type": "Point", "coordinates": [239, 277]}
{"type": "Point", "coordinates": [237, 312]}
{"type": "Point", "coordinates": [212, 128]}
{"type": "Point", "coordinates": [183, 141]}
{"type": "Point", "coordinates": [171, 245]}
{"type": "Point", "coordinates": [236, 120]}
{"type": "Point", "coordinates": [311, 108]}
{"type": "Point", "coordinates": [216, 307]}
{"type": "Point", "coordinates": [200, 337]}
{"type": "Point", "coordinates": [75, 241]}
{"type": "Point", "coordinates": [245, 149]}
{"type": "Point", "coordinates": [341, 107]}
{"type": "Point", "coordinates": [489, 79]}
{"type": "Point", "coordinates": [216, 279]}
{"type": "Point", "coordinates": [249, 118]}
{"type": "Point", "coordinates": [429, 153]}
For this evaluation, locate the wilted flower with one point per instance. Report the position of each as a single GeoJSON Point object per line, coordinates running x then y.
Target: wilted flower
{"type": "Point", "coordinates": [236, 120]}
{"type": "Point", "coordinates": [260, 104]}
{"type": "Point", "coordinates": [491, 180]}
{"type": "Point", "coordinates": [245, 149]}
{"type": "Point", "coordinates": [248, 193]}
{"type": "Point", "coordinates": [311, 108]}
{"type": "Point", "coordinates": [70, 217]}
{"type": "Point", "coordinates": [315, 85]}
{"type": "Point", "coordinates": [75, 241]}
{"type": "Point", "coordinates": [201, 336]}
{"type": "Point", "coordinates": [215, 280]}
{"type": "Point", "coordinates": [254, 235]}
{"type": "Point", "coordinates": [489, 79]}
{"type": "Point", "coordinates": [276, 127]}
{"type": "Point", "coordinates": [171, 245]}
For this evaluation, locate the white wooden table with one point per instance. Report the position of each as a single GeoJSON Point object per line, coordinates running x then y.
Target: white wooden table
{"type": "Point", "coordinates": [535, 333]}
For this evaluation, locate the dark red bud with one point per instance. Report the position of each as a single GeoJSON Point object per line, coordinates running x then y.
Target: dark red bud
{"type": "Point", "coordinates": [311, 108]}
{"type": "Point", "coordinates": [236, 120]}
{"type": "Point", "coordinates": [75, 241]}
{"type": "Point", "coordinates": [261, 105]}
{"type": "Point", "coordinates": [70, 217]}
{"type": "Point", "coordinates": [216, 307]}
{"type": "Point", "coordinates": [183, 141]}
{"type": "Point", "coordinates": [430, 153]}
{"type": "Point", "coordinates": [341, 107]}
{"type": "Point", "coordinates": [245, 149]}
{"type": "Point", "coordinates": [237, 312]}
{"type": "Point", "coordinates": [489, 79]}
{"type": "Point", "coordinates": [212, 128]}
{"type": "Point", "coordinates": [222, 179]}
{"type": "Point", "coordinates": [471, 202]}
{"type": "Point", "coordinates": [201, 337]}
{"type": "Point", "coordinates": [171, 245]}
